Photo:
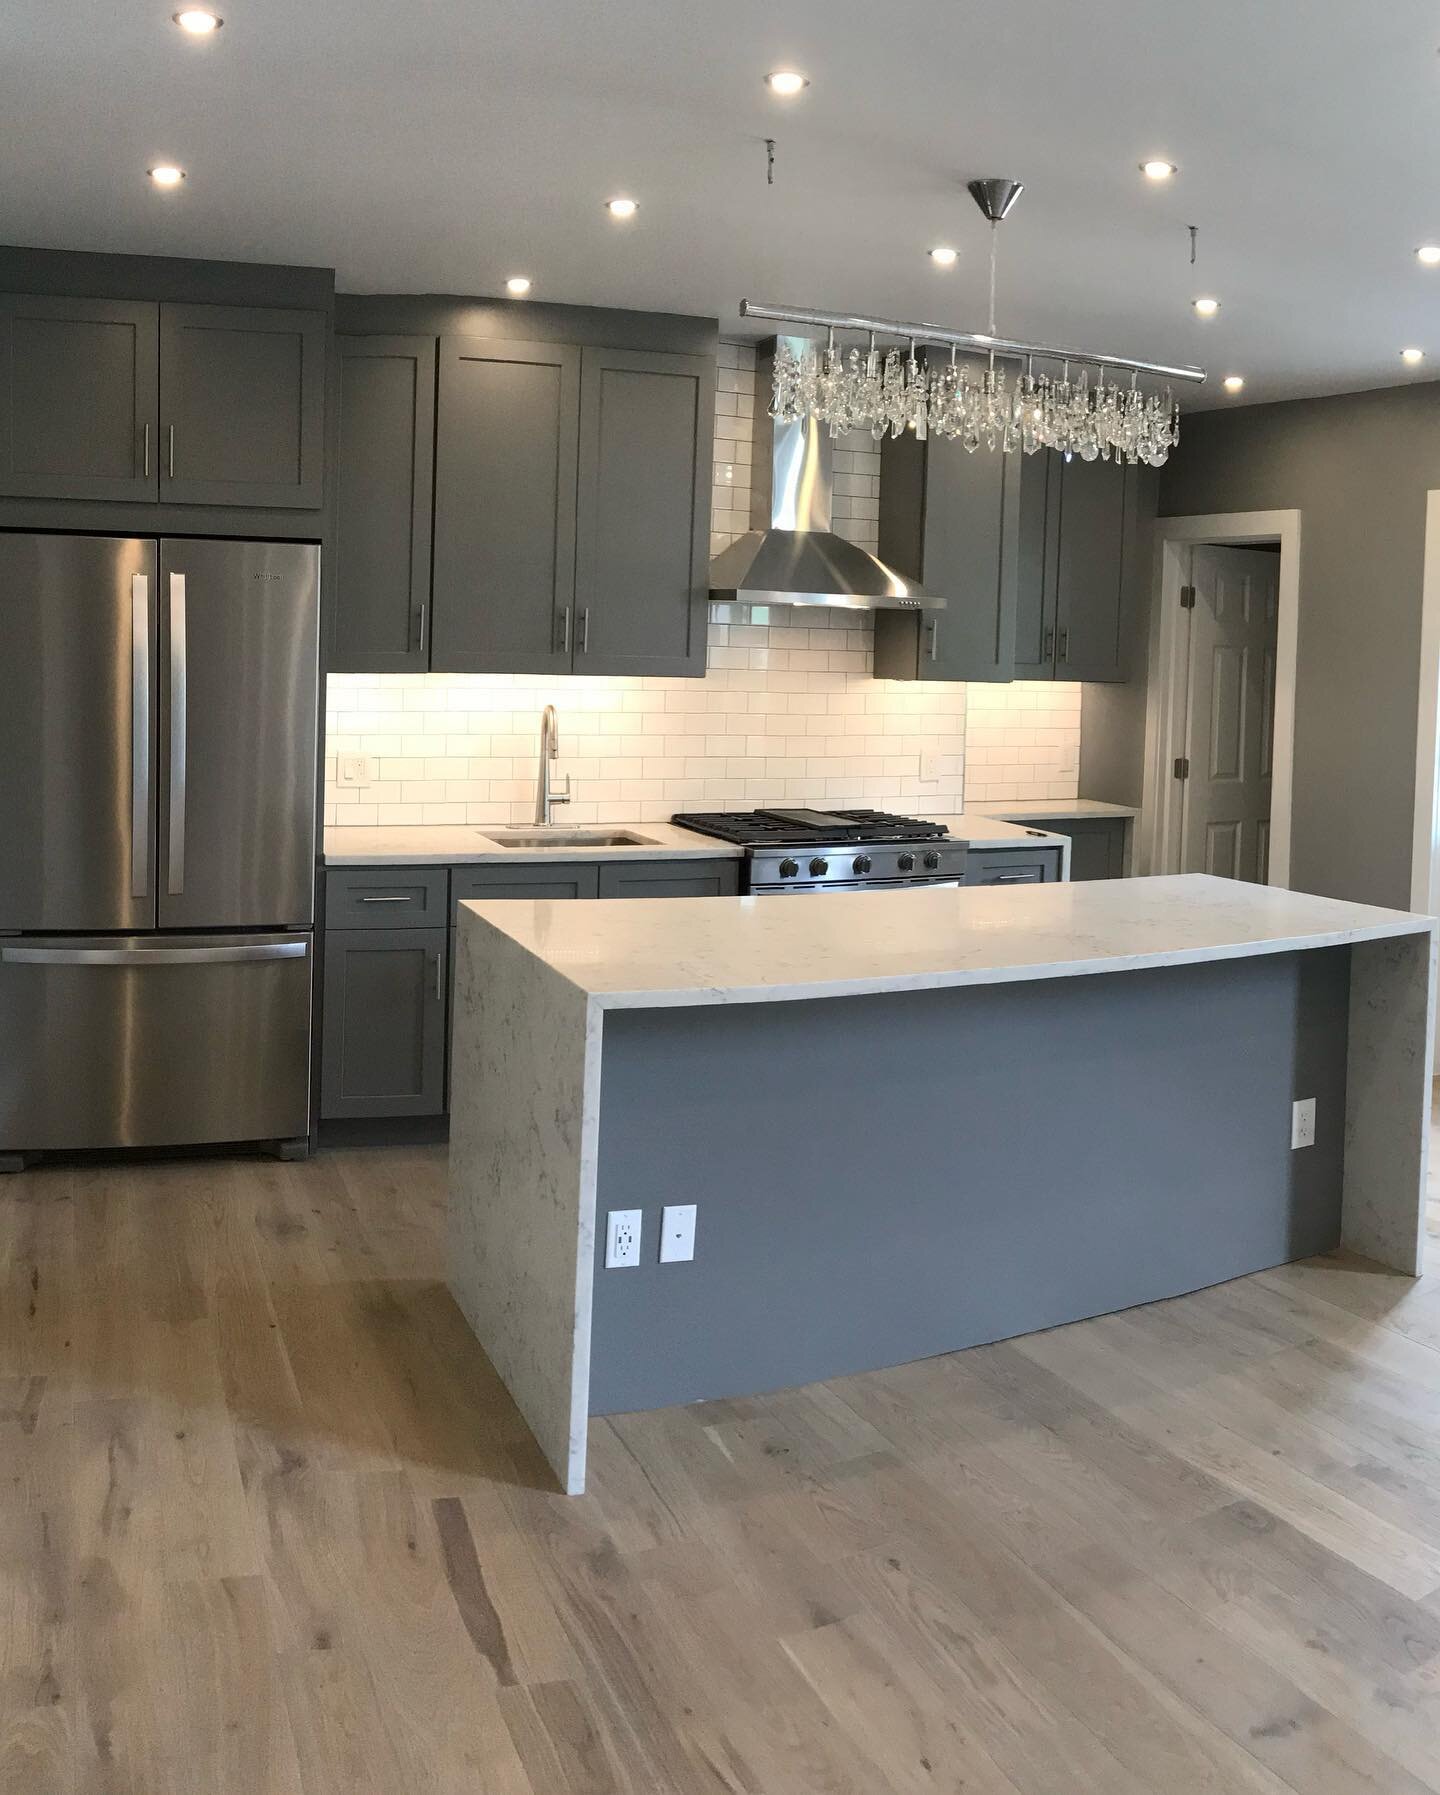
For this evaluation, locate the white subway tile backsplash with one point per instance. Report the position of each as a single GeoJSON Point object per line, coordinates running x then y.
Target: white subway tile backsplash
{"type": "Point", "coordinates": [788, 711]}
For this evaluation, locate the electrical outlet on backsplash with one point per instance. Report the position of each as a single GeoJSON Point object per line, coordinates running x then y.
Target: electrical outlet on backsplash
{"type": "Point", "coordinates": [788, 713]}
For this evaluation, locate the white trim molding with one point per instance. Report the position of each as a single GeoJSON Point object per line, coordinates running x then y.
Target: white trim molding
{"type": "Point", "coordinates": [1425, 852]}
{"type": "Point", "coordinates": [1174, 538]}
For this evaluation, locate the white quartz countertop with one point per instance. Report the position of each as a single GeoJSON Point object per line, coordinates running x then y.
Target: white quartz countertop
{"type": "Point", "coordinates": [1054, 809]}
{"type": "Point", "coordinates": [456, 844]}
{"type": "Point", "coordinates": [689, 951]}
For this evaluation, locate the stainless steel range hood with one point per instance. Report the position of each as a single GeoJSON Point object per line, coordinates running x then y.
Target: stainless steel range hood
{"type": "Point", "coordinates": [791, 556]}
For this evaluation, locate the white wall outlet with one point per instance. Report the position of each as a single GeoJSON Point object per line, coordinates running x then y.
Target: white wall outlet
{"type": "Point", "coordinates": [1302, 1122]}
{"type": "Point", "coordinates": [622, 1238]}
{"type": "Point", "coordinates": [930, 767]}
{"type": "Point", "coordinates": [677, 1233]}
{"type": "Point", "coordinates": [355, 769]}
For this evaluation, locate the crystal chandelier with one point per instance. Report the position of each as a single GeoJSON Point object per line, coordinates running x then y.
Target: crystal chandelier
{"type": "Point", "coordinates": [1097, 417]}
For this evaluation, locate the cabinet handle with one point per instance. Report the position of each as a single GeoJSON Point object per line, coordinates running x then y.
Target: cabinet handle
{"type": "Point", "coordinates": [585, 630]}
{"type": "Point", "coordinates": [934, 638]}
{"type": "Point", "coordinates": [1047, 645]}
{"type": "Point", "coordinates": [171, 451]}
{"type": "Point", "coordinates": [565, 630]}
{"type": "Point", "coordinates": [145, 453]}
{"type": "Point", "coordinates": [1065, 643]}
{"type": "Point", "coordinates": [420, 611]}
{"type": "Point", "coordinates": [439, 976]}
{"type": "Point", "coordinates": [1017, 879]}
{"type": "Point", "coordinates": [399, 898]}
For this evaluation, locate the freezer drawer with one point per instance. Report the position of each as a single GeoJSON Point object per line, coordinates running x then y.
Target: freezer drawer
{"type": "Point", "coordinates": [153, 1041]}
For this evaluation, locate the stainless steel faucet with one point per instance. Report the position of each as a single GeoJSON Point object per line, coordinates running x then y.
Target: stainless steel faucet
{"type": "Point", "coordinates": [546, 797]}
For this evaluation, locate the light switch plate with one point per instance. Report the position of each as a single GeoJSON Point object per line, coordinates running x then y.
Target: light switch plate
{"type": "Point", "coordinates": [355, 769]}
{"type": "Point", "coordinates": [677, 1233]}
{"type": "Point", "coordinates": [1302, 1122]}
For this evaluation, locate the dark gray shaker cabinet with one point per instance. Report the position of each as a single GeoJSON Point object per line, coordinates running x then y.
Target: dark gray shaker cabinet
{"type": "Point", "coordinates": [507, 451]}
{"type": "Point", "coordinates": [950, 520]}
{"type": "Point", "coordinates": [1078, 528]}
{"type": "Point", "coordinates": [643, 521]}
{"type": "Point", "coordinates": [383, 1049]}
{"type": "Point", "coordinates": [384, 492]}
{"type": "Point", "coordinates": [79, 384]}
{"type": "Point", "coordinates": [669, 878]}
{"type": "Point", "coordinates": [242, 406]}
{"type": "Point", "coordinates": [1012, 866]}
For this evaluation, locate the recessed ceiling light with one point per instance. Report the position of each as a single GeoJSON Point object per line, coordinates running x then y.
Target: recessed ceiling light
{"type": "Point", "coordinates": [943, 256]}
{"type": "Point", "coordinates": [1428, 253]}
{"type": "Point", "coordinates": [1206, 306]}
{"type": "Point", "coordinates": [1412, 357]}
{"type": "Point", "coordinates": [786, 82]}
{"type": "Point", "coordinates": [1234, 383]}
{"type": "Point", "coordinates": [166, 174]}
{"type": "Point", "coordinates": [622, 208]}
{"type": "Point", "coordinates": [517, 285]}
{"type": "Point", "coordinates": [198, 22]}
{"type": "Point", "coordinates": [1158, 170]}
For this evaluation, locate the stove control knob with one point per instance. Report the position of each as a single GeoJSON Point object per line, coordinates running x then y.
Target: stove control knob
{"type": "Point", "coordinates": [789, 868]}
{"type": "Point", "coordinates": [861, 863]}
{"type": "Point", "coordinates": [906, 863]}
{"type": "Point", "coordinates": [932, 862]}
{"type": "Point", "coordinates": [819, 867]}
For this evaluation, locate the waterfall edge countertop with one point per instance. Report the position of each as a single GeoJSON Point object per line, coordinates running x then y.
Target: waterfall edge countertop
{"type": "Point", "coordinates": [461, 844]}
{"type": "Point", "coordinates": [756, 949]}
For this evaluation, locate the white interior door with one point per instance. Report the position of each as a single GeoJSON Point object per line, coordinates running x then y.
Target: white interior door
{"type": "Point", "coordinates": [1229, 713]}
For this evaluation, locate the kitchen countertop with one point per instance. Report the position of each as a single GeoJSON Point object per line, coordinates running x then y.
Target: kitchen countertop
{"type": "Point", "coordinates": [695, 951]}
{"type": "Point", "coordinates": [1054, 809]}
{"type": "Point", "coordinates": [460, 844]}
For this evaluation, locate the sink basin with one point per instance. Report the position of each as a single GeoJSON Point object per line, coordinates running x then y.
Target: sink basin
{"type": "Point", "coordinates": [566, 838]}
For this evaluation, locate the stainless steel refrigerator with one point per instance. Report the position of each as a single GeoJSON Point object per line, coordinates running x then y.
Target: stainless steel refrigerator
{"type": "Point", "coordinates": [157, 840]}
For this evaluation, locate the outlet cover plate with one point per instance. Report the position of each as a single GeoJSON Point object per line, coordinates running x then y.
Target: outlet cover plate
{"type": "Point", "coordinates": [677, 1233]}
{"type": "Point", "coordinates": [355, 769]}
{"type": "Point", "coordinates": [622, 1238]}
{"type": "Point", "coordinates": [1302, 1122]}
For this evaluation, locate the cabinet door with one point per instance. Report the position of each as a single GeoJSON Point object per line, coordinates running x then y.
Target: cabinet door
{"type": "Point", "coordinates": [1013, 866]}
{"type": "Point", "coordinates": [572, 879]}
{"type": "Point", "coordinates": [1097, 846]}
{"type": "Point", "coordinates": [384, 495]}
{"type": "Point", "coordinates": [643, 528]}
{"type": "Point", "coordinates": [383, 1044]}
{"type": "Point", "coordinates": [951, 521]}
{"type": "Point", "coordinates": [507, 442]}
{"type": "Point", "coordinates": [669, 878]}
{"type": "Point", "coordinates": [1096, 522]}
{"type": "Point", "coordinates": [242, 406]}
{"type": "Point", "coordinates": [78, 394]}
{"type": "Point", "coordinates": [1036, 560]}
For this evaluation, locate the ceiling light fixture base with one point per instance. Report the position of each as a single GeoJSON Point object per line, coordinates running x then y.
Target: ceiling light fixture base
{"type": "Point", "coordinates": [995, 195]}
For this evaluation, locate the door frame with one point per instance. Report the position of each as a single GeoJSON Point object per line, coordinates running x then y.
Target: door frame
{"type": "Point", "coordinates": [1425, 852]}
{"type": "Point", "coordinates": [1159, 836]}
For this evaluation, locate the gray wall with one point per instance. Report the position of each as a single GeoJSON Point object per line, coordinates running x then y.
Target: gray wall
{"type": "Point", "coordinates": [1358, 467]}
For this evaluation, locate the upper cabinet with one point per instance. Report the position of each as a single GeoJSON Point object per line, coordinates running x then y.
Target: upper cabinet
{"type": "Point", "coordinates": [643, 521]}
{"type": "Point", "coordinates": [570, 490]}
{"type": "Point", "coordinates": [1035, 556]}
{"type": "Point", "coordinates": [79, 397]}
{"type": "Point", "coordinates": [950, 520]}
{"type": "Point", "coordinates": [507, 449]}
{"type": "Point", "coordinates": [1079, 523]}
{"type": "Point", "coordinates": [384, 489]}
{"type": "Point", "coordinates": [133, 400]}
{"type": "Point", "coordinates": [242, 406]}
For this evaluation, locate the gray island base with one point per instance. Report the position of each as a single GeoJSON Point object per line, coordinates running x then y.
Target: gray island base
{"type": "Point", "coordinates": [911, 1122]}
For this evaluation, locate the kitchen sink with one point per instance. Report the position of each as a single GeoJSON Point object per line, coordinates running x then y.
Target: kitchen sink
{"type": "Point", "coordinates": [567, 838]}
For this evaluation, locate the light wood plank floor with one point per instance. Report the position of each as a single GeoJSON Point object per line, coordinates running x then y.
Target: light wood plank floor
{"type": "Point", "coordinates": [269, 1525]}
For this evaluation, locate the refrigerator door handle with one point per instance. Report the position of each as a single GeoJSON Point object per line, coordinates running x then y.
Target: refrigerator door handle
{"type": "Point", "coordinates": [139, 735]}
{"type": "Point", "coordinates": [154, 956]}
{"type": "Point", "coordinates": [175, 883]}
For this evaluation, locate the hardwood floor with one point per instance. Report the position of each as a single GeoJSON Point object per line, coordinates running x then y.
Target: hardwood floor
{"type": "Point", "coordinates": [269, 1526]}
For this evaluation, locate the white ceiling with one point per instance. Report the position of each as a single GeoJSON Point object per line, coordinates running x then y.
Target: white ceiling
{"type": "Point", "coordinates": [441, 145]}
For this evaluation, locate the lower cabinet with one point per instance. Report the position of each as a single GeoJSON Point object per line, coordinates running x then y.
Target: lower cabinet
{"type": "Point", "coordinates": [1097, 846]}
{"type": "Point", "coordinates": [670, 878]}
{"type": "Point", "coordinates": [383, 1044]}
{"type": "Point", "coordinates": [1013, 866]}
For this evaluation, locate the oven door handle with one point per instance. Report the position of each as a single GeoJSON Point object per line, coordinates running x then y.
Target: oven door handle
{"type": "Point", "coordinates": [154, 956]}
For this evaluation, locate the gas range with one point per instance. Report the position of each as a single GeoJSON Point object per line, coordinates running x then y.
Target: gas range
{"type": "Point", "coordinates": [833, 850]}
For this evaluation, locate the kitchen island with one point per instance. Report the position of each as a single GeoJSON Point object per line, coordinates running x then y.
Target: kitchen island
{"type": "Point", "coordinates": [911, 1122]}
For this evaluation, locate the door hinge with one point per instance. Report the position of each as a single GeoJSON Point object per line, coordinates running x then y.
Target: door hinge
{"type": "Point", "coordinates": [1187, 598]}
{"type": "Point", "coordinates": [1182, 768]}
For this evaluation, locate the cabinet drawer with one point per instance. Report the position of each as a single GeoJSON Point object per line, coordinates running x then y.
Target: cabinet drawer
{"type": "Point", "coordinates": [571, 879]}
{"type": "Point", "coordinates": [669, 878]}
{"type": "Point", "coordinates": [386, 897]}
{"type": "Point", "coordinates": [1011, 866]}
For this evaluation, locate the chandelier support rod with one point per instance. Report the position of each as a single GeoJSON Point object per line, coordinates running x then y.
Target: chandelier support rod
{"type": "Point", "coordinates": [962, 339]}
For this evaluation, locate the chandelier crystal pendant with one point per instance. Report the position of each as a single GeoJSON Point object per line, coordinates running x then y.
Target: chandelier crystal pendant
{"type": "Point", "coordinates": [1097, 417]}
